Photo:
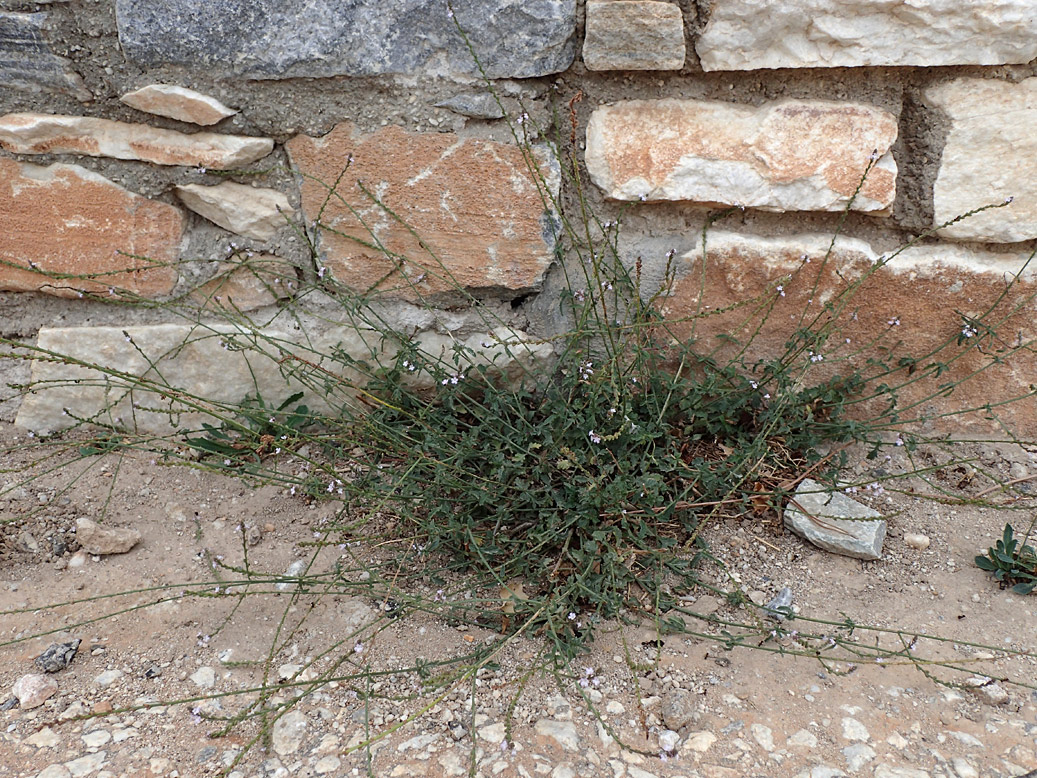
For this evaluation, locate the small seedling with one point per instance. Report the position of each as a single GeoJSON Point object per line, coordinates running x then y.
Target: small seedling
{"type": "Point", "coordinates": [1012, 564]}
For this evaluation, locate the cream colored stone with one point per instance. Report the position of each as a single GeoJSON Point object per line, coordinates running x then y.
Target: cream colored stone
{"type": "Point", "coordinates": [912, 305]}
{"type": "Point", "coordinates": [785, 156]}
{"type": "Point", "coordinates": [472, 213]}
{"type": "Point", "coordinates": [37, 133]}
{"type": "Point", "coordinates": [74, 231]}
{"type": "Point", "coordinates": [247, 210]}
{"type": "Point", "coordinates": [633, 35]}
{"type": "Point", "coordinates": [700, 741]}
{"type": "Point", "coordinates": [756, 34]}
{"type": "Point", "coordinates": [990, 156]}
{"type": "Point", "coordinates": [98, 540]}
{"type": "Point", "coordinates": [176, 102]}
{"type": "Point", "coordinates": [162, 363]}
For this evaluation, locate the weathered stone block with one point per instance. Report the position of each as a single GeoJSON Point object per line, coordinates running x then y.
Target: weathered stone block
{"type": "Point", "coordinates": [990, 155]}
{"type": "Point", "coordinates": [176, 102]}
{"type": "Point", "coordinates": [634, 35]}
{"type": "Point", "coordinates": [273, 39]}
{"type": "Point", "coordinates": [37, 133]}
{"type": "Point", "coordinates": [756, 34]}
{"type": "Point", "coordinates": [787, 156]}
{"type": "Point", "coordinates": [834, 522]}
{"type": "Point", "coordinates": [154, 364]}
{"type": "Point", "coordinates": [135, 377]}
{"type": "Point", "coordinates": [254, 212]}
{"type": "Point", "coordinates": [27, 62]}
{"type": "Point", "coordinates": [465, 213]}
{"type": "Point", "coordinates": [911, 308]}
{"type": "Point", "coordinates": [69, 221]}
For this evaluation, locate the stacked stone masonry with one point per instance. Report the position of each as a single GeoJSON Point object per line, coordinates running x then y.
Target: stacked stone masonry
{"type": "Point", "coordinates": [228, 154]}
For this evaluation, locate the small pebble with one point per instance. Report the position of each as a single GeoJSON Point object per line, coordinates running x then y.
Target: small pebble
{"type": "Point", "coordinates": [916, 540]}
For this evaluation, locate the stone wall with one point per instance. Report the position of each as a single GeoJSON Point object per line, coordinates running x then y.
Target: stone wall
{"type": "Point", "coordinates": [181, 149]}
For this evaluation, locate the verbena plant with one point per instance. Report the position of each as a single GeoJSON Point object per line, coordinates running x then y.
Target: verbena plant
{"type": "Point", "coordinates": [568, 490]}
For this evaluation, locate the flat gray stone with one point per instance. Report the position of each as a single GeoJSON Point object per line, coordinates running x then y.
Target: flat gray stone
{"type": "Point", "coordinates": [477, 105]}
{"type": "Point", "coordinates": [319, 38]}
{"type": "Point", "coordinates": [834, 522]}
{"type": "Point", "coordinates": [27, 62]}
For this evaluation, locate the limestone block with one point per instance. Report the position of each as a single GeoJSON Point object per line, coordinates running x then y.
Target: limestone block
{"type": "Point", "coordinates": [756, 34]}
{"type": "Point", "coordinates": [320, 38]}
{"type": "Point", "coordinates": [28, 63]}
{"type": "Point", "coordinates": [134, 377]}
{"type": "Point", "coordinates": [834, 522]}
{"type": "Point", "coordinates": [474, 204]}
{"type": "Point", "coordinates": [990, 156]}
{"type": "Point", "coordinates": [37, 133]}
{"type": "Point", "coordinates": [66, 220]}
{"type": "Point", "coordinates": [251, 211]}
{"type": "Point", "coordinates": [177, 102]}
{"type": "Point", "coordinates": [154, 363]}
{"type": "Point", "coordinates": [633, 35]}
{"type": "Point", "coordinates": [908, 307]}
{"type": "Point", "coordinates": [792, 155]}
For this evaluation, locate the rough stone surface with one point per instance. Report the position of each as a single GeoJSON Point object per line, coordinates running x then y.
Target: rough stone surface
{"type": "Point", "coordinates": [477, 105]}
{"type": "Point", "coordinates": [204, 677]}
{"type": "Point", "coordinates": [680, 708]}
{"type": "Point", "coordinates": [273, 39]}
{"type": "Point", "coordinates": [205, 362]}
{"type": "Point", "coordinates": [33, 690]}
{"type": "Point", "coordinates": [888, 771]}
{"type": "Point", "coordinates": [57, 656]}
{"type": "Point", "coordinates": [250, 283]}
{"type": "Point", "coordinates": [177, 102]}
{"type": "Point", "coordinates": [700, 741]}
{"type": "Point", "coordinates": [27, 62]}
{"type": "Point", "coordinates": [787, 156]}
{"type": "Point", "coordinates": [473, 203]}
{"type": "Point", "coordinates": [990, 155]}
{"type": "Point", "coordinates": [916, 540]}
{"type": "Point", "coordinates": [37, 133]}
{"type": "Point", "coordinates": [633, 35]}
{"type": "Point", "coordinates": [212, 362]}
{"type": "Point", "coordinates": [917, 300]}
{"type": "Point", "coordinates": [254, 212]}
{"type": "Point", "coordinates": [95, 539]}
{"type": "Point", "coordinates": [834, 522]}
{"type": "Point", "coordinates": [64, 219]}
{"type": "Point", "coordinates": [755, 34]}
{"type": "Point", "coordinates": [562, 732]}
{"type": "Point", "coordinates": [288, 733]}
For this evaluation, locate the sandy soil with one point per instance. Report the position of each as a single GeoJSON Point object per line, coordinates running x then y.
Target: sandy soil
{"type": "Point", "coordinates": [168, 647]}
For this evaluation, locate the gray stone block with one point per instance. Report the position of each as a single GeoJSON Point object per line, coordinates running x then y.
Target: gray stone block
{"type": "Point", "coordinates": [27, 62]}
{"type": "Point", "coordinates": [834, 522]}
{"type": "Point", "coordinates": [319, 38]}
